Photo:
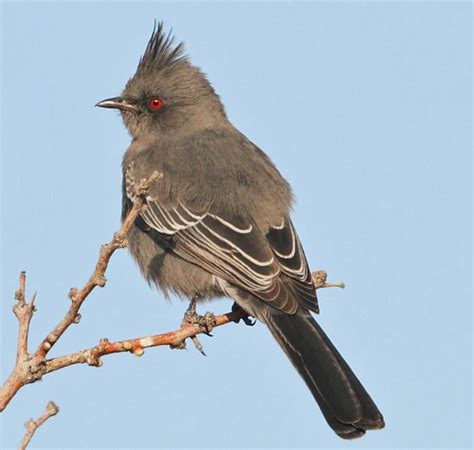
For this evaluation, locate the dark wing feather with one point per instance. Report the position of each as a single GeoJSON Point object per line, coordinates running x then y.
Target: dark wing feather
{"type": "Point", "coordinates": [230, 248]}
{"type": "Point", "coordinates": [290, 256]}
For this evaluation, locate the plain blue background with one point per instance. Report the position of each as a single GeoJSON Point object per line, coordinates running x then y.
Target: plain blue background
{"type": "Point", "coordinates": [365, 108]}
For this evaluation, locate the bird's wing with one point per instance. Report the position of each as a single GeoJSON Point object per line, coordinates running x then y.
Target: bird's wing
{"type": "Point", "coordinates": [290, 256]}
{"type": "Point", "coordinates": [234, 251]}
{"type": "Point", "coordinates": [271, 266]}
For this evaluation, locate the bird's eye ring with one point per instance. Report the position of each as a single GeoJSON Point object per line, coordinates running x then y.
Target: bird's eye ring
{"type": "Point", "coordinates": [155, 103]}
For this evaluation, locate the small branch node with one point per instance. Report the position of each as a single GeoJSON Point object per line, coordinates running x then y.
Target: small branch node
{"type": "Point", "coordinates": [145, 183]}
{"type": "Point", "coordinates": [319, 278]}
{"type": "Point", "coordinates": [320, 281]}
{"type": "Point", "coordinates": [92, 359]}
{"type": "Point", "coordinates": [138, 351]}
{"type": "Point", "coordinates": [30, 425]}
{"type": "Point", "coordinates": [52, 408]}
{"type": "Point", "coordinates": [127, 345]}
{"type": "Point", "coordinates": [77, 319]}
{"type": "Point", "coordinates": [46, 345]}
{"type": "Point", "coordinates": [100, 280]}
{"type": "Point", "coordinates": [23, 310]}
{"type": "Point", "coordinates": [73, 294]}
{"type": "Point", "coordinates": [32, 368]}
{"type": "Point", "coordinates": [120, 239]}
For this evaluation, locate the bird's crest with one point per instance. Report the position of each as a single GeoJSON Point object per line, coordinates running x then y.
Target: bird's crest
{"type": "Point", "coordinates": [160, 53]}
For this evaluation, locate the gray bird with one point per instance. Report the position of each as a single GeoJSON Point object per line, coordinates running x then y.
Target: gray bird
{"type": "Point", "coordinates": [218, 223]}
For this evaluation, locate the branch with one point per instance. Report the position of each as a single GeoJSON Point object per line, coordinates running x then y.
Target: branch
{"type": "Point", "coordinates": [23, 312]}
{"type": "Point", "coordinates": [92, 356]}
{"type": "Point", "coordinates": [32, 425]}
{"type": "Point", "coordinates": [97, 278]}
{"type": "Point", "coordinates": [31, 367]}
{"type": "Point", "coordinates": [320, 280]}
{"type": "Point", "coordinates": [136, 346]}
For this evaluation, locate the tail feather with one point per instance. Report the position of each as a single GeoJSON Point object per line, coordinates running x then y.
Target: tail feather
{"type": "Point", "coordinates": [345, 404]}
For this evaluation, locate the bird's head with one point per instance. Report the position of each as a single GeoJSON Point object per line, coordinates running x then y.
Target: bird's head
{"type": "Point", "coordinates": [166, 93]}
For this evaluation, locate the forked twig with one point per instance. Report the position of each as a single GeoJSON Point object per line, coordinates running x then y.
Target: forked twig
{"type": "Point", "coordinates": [32, 425]}
{"type": "Point", "coordinates": [31, 367]}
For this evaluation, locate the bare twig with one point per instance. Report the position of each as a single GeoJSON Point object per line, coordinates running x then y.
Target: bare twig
{"type": "Point", "coordinates": [32, 425]}
{"type": "Point", "coordinates": [24, 312]}
{"type": "Point", "coordinates": [31, 367]}
{"type": "Point", "coordinates": [319, 280]}
{"type": "Point", "coordinates": [97, 278]}
{"type": "Point", "coordinates": [136, 346]}
{"type": "Point", "coordinates": [174, 339]}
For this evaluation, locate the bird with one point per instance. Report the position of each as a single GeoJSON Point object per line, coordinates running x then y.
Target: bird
{"type": "Point", "coordinates": [217, 223]}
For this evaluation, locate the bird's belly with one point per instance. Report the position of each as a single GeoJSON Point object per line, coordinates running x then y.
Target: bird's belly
{"type": "Point", "coordinates": [168, 271]}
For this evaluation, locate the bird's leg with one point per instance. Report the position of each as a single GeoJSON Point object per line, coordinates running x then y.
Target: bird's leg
{"type": "Point", "coordinates": [247, 320]}
{"type": "Point", "coordinates": [206, 322]}
{"type": "Point", "coordinates": [191, 317]}
{"type": "Point", "coordinates": [319, 280]}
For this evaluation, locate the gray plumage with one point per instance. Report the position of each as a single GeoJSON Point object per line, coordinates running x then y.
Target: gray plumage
{"type": "Point", "coordinates": [218, 222]}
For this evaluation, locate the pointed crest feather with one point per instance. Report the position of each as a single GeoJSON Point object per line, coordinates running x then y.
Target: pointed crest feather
{"type": "Point", "coordinates": [160, 52]}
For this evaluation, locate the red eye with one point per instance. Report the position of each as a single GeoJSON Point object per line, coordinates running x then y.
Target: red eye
{"type": "Point", "coordinates": [155, 103]}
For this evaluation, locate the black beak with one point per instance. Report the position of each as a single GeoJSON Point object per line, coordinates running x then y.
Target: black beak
{"type": "Point", "coordinates": [117, 103]}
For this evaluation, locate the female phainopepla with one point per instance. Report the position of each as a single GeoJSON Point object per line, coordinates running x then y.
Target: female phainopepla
{"type": "Point", "coordinates": [218, 222]}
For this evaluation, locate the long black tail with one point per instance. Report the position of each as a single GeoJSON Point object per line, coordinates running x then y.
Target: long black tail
{"type": "Point", "coordinates": [345, 403]}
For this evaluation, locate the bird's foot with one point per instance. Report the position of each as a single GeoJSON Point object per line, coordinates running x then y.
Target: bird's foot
{"type": "Point", "coordinates": [246, 318]}
{"type": "Point", "coordinates": [206, 324]}
{"type": "Point", "coordinates": [320, 280]}
{"type": "Point", "coordinates": [191, 317]}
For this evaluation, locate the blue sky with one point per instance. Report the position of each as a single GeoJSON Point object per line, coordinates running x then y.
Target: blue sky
{"type": "Point", "coordinates": [366, 110]}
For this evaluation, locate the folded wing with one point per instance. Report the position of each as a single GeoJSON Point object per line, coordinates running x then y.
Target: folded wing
{"type": "Point", "coordinates": [270, 265]}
